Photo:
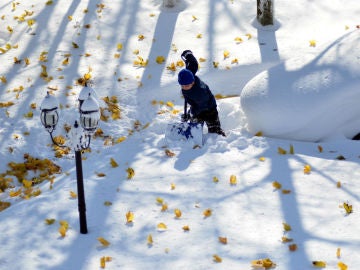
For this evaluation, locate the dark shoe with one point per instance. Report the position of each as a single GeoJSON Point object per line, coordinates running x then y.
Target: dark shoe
{"type": "Point", "coordinates": [217, 131]}
{"type": "Point", "coordinates": [221, 132]}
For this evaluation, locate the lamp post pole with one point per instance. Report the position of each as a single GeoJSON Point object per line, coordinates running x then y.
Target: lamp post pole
{"type": "Point", "coordinates": [81, 193]}
{"type": "Point", "coordinates": [89, 118]}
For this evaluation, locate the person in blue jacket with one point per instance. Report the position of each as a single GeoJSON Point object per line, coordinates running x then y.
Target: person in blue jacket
{"type": "Point", "coordinates": [198, 95]}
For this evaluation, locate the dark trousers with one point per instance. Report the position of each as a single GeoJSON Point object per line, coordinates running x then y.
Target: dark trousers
{"type": "Point", "coordinates": [211, 118]}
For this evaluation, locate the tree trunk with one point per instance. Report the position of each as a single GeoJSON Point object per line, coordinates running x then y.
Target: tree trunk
{"type": "Point", "coordinates": [265, 12]}
{"type": "Point", "coordinates": [169, 3]}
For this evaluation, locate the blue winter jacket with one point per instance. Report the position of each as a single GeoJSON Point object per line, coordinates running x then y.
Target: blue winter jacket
{"type": "Point", "coordinates": [199, 97]}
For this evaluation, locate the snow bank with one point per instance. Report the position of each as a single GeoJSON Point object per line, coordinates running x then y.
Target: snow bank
{"type": "Point", "coordinates": [308, 98]}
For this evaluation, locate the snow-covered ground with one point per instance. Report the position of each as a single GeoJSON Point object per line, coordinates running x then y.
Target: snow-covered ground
{"type": "Point", "coordinates": [224, 224]}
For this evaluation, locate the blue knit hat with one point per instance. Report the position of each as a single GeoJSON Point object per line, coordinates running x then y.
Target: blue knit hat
{"type": "Point", "coordinates": [185, 77]}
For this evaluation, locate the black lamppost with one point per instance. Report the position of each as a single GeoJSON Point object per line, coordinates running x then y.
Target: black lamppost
{"type": "Point", "coordinates": [80, 139]}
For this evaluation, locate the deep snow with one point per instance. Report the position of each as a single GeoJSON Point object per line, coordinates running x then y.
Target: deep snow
{"type": "Point", "coordinates": [249, 214]}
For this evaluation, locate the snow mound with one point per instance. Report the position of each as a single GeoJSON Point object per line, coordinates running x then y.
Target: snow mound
{"type": "Point", "coordinates": [308, 98]}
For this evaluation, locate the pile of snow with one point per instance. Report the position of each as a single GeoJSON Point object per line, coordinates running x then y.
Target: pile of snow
{"type": "Point", "coordinates": [308, 98]}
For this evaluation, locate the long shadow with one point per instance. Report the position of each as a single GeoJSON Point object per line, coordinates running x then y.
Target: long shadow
{"type": "Point", "coordinates": [85, 243]}
{"type": "Point", "coordinates": [290, 206]}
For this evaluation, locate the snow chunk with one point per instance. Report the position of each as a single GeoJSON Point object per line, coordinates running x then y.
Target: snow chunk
{"type": "Point", "coordinates": [308, 98]}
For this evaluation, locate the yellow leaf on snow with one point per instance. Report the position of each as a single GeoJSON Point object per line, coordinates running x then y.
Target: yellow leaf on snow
{"type": "Point", "coordinates": [15, 193]}
{"type": "Point", "coordinates": [207, 212]}
{"type": "Point", "coordinates": [62, 231]}
{"type": "Point", "coordinates": [348, 208]}
{"type": "Point", "coordinates": [281, 151]}
{"type": "Point", "coordinates": [160, 59]}
{"type": "Point", "coordinates": [161, 226]}
{"type": "Point", "coordinates": [285, 239]}
{"type": "Point", "coordinates": [319, 264]}
{"type": "Point", "coordinates": [113, 163]}
{"type": "Point", "coordinates": [338, 252]}
{"type": "Point", "coordinates": [64, 223]}
{"type": "Point", "coordinates": [217, 258]}
{"type": "Point", "coordinates": [159, 200]}
{"type": "Point", "coordinates": [27, 183]}
{"type": "Point", "coordinates": [150, 240]}
{"type": "Point", "coordinates": [49, 221]}
{"type": "Point", "coordinates": [342, 266]}
{"type": "Point", "coordinates": [169, 153]}
{"type": "Point", "coordinates": [31, 22]}
{"type": "Point", "coordinates": [238, 39]}
{"type": "Point", "coordinates": [130, 173]}
{"type": "Point", "coordinates": [286, 227]}
{"type": "Point", "coordinates": [104, 260]}
{"type": "Point", "coordinates": [223, 240]}
{"type": "Point", "coordinates": [177, 213]}
{"type": "Point", "coordinates": [164, 207]}
{"type": "Point", "coordinates": [312, 43]}
{"type": "Point", "coordinates": [267, 263]}
{"type": "Point", "coordinates": [186, 228]}
{"type": "Point", "coordinates": [129, 217]}
{"type": "Point", "coordinates": [320, 149]}
{"type": "Point", "coordinates": [276, 185]}
{"type": "Point", "coordinates": [103, 241]}
{"type": "Point", "coordinates": [233, 180]}
{"type": "Point", "coordinates": [307, 169]}
{"type": "Point", "coordinates": [73, 195]}
{"type": "Point", "coordinates": [226, 54]}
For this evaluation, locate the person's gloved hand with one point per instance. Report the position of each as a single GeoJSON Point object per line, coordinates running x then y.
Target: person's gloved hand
{"type": "Point", "coordinates": [185, 54]}
{"type": "Point", "coordinates": [184, 117]}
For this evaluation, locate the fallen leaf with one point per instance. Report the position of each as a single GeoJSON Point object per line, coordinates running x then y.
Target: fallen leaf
{"type": "Point", "coordinates": [281, 151]}
{"type": "Point", "coordinates": [293, 247]}
{"type": "Point", "coordinates": [342, 266]}
{"type": "Point", "coordinates": [177, 213]}
{"type": "Point", "coordinates": [49, 221]}
{"type": "Point", "coordinates": [319, 264]}
{"type": "Point", "coordinates": [286, 227]}
{"type": "Point", "coordinates": [160, 59]}
{"type": "Point", "coordinates": [233, 180]}
{"type": "Point", "coordinates": [161, 227]}
{"type": "Point", "coordinates": [103, 241]}
{"type": "Point", "coordinates": [338, 252]}
{"type": "Point", "coordinates": [149, 240]}
{"type": "Point", "coordinates": [276, 185]}
{"type": "Point", "coordinates": [186, 228]}
{"type": "Point", "coordinates": [226, 54]}
{"type": "Point", "coordinates": [223, 240]}
{"type": "Point", "coordinates": [207, 212]}
{"type": "Point", "coordinates": [266, 263]}
{"type": "Point", "coordinates": [320, 149]}
{"type": "Point", "coordinates": [217, 258]}
{"type": "Point", "coordinates": [73, 195]}
{"type": "Point", "coordinates": [307, 169]}
{"type": "Point", "coordinates": [130, 173]}
{"type": "Point", "coordinates": [169, 153]}
{"type": "Point", "coordinates": [129, 217]}
{"type": "Point", "coordinates": [348, 208]}
{"type": "Point", "coordinates": [285, 239]}
{"type": "Point", "coordinates": [113, 163]}
{"type": "Point", "coordinates": [238, 40]}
